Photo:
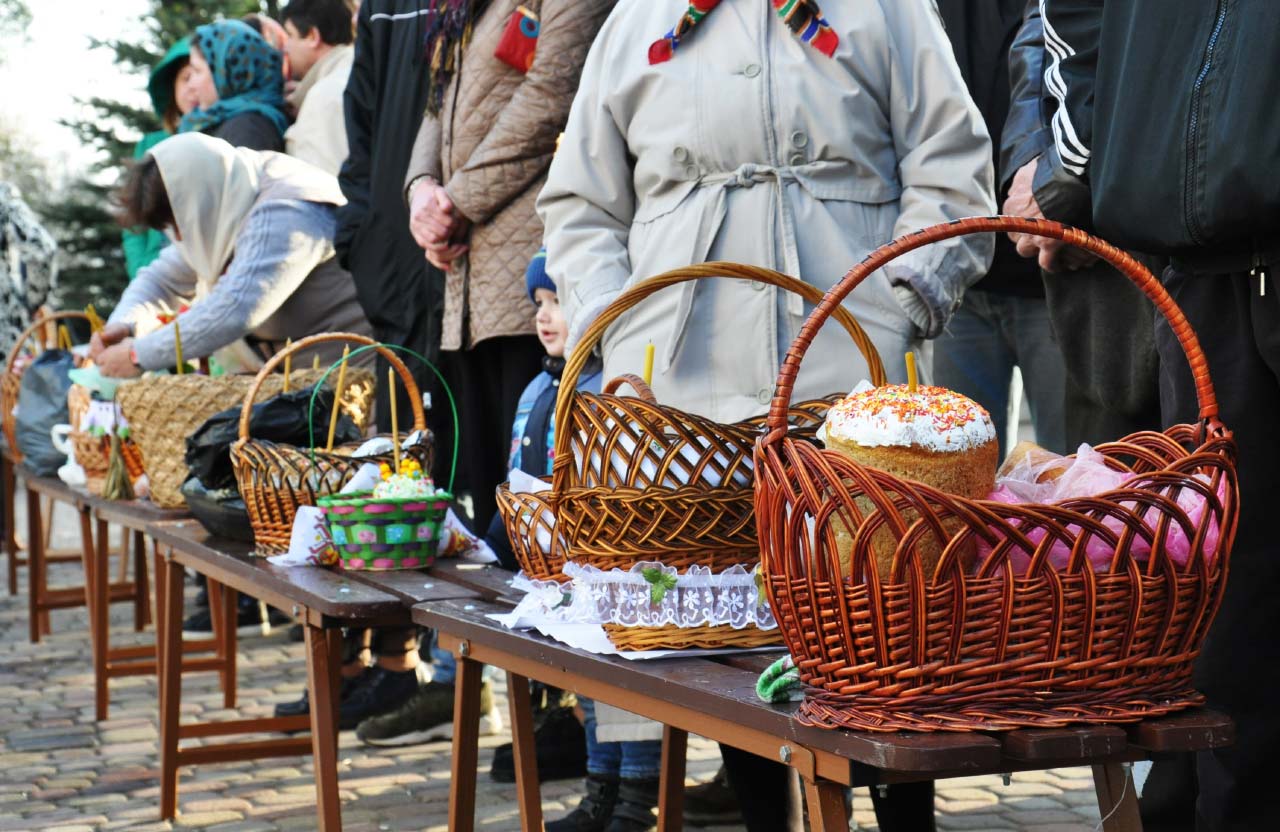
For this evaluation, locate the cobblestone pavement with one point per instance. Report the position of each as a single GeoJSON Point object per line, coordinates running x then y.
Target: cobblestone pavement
{"type": "Point", "coordinates": [61, 771]}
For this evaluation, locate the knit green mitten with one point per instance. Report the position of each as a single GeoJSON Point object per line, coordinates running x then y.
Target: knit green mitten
{"type": "Point", "coordinates": [780, 682]}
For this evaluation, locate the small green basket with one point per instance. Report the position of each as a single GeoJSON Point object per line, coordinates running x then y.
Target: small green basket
{"type": "Point", "coordinates": [380, 534]}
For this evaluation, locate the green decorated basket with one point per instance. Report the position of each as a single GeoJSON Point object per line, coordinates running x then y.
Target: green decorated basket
{"type": "Point", "coordinates": [388, 533]}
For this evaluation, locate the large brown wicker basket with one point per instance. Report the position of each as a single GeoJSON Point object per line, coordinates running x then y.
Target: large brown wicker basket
{"type": "Point", "coordinates": [1003, 648]}
{"type": "Point", "coordinates": [11, 380]}
{"type": "Point", "coordinates": [611, 518]}
{"type": "Point", "coordinates": [276, 479]}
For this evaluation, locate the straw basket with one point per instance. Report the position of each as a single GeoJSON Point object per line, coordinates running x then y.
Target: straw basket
{"type": "Point", "coordinates": [93, 451]}
{"type": "Point", "coordinates": [380, 534]}
{"type": "Point", "coordinates": [683, 494]}
{"type": "Point", "coordinates": [11, 381]}
{"type": "Point", "coordinates": [276, 479]}
{"type": "Point", "coordinates": [164, 410]}
{"type": "Point", "coordinates": [1003, 648]}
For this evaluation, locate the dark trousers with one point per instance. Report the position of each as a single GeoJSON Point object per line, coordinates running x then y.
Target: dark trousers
{"type": "Point", "coordinates": [1104, 327]}
{"type": "Point", "coordinates": [769, 795]}
{"type": "Point", "coordinates": [487, 381]}
{"type": "Point", "coordinates": [1239, 668]}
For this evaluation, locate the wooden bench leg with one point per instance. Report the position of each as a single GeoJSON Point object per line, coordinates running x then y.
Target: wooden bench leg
{"type": "Point", "coordinates": [230, 644]}
{"type": "Point", "coordinates": [466, 745]}
{"type": "Point", "coordinates": [10, 486]}
{"type": "Point", "coordinates": [671, 786]}
{"type": "Point", "coordinates": [169, 575]}
{"type": "Point", "coordinates": [35, 563]}
{"type": "Point", "coordinates": [141, 591]}
{"type": "Point", "coordinates": [528, 794]}
{"type": "Point", "coordinates": [1117, 798]}
{"type": "Point", "coordinates": [322, 658]}
{"type": "Point", "coordinates": [827, 809]}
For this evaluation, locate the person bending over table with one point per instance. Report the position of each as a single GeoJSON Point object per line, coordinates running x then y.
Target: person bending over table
{"type": "Point", "coordinates": [252, 257]}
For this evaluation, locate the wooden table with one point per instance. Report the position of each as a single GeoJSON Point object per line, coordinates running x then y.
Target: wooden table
{"type": "Point", "coordinates": [716, 698]}
{"type": "Point", "coordinates": [324, 601]}
{"type": "Point", "coordinates": [42, 599]}
{"type": "Point", "coordinates": [134, 517]}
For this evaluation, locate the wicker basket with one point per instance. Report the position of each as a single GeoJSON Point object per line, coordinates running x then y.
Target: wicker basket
{"type": "Point", "coordinates": [164, 410]}
{"type": "Point", "coordinates": [276, 479]}
{"type": "Point", "coordinates": [93, 451]}
{"type": "Point", "coordinates": [1003, 648]}
{"type": "Point", "coordinates": [382, 534]}
{"type": "Point", "coordinates": [614, 518]}
{"type": "Point", "coordinates": [11, 381]}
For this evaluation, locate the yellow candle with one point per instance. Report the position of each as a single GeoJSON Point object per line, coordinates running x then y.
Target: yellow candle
{"type": "Point", "coordinates": [395, 425]}
{"type": "Point", "coordinates": [288, 363]}
{"type": "Point", "coordinates": [64, 338]}
{"type": "Point", "coordinates": [177, 347]}
{"type": "Point", "coordinates": [912, 381]}
{"type": "Point", "coordinates": [648, 363]}
{"type": "Point", "coordinates": [337, 397]}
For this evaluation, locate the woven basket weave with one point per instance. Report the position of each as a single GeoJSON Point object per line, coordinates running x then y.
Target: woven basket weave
{"type": "Point", "coordinates": [164, 410]}
{"type": "Point", "coordinates": [276, 479]}
{"type": "Point", "coordinates": [11, 380]}
{"type": "Point", "coordinates": [614, 518]}
{"type": "Point", "coordinates": [1004, 648]}
{"type": "Point", "coordinates": [93, 452]}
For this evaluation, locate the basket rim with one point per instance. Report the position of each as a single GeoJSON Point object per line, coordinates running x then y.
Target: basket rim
{"type": "Point", "coordinates": [359, 498]}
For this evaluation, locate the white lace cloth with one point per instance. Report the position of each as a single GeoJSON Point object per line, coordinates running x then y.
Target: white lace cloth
{"type": "Point", "coordinates": [648, 595]}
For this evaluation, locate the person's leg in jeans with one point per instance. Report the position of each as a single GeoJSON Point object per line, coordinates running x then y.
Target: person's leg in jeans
{"type": "Point", "coordinates": [1037, 354]}
{"type": "Point", "coordinates": [974, 356]}
{"type": "Point", "coordinates": [604, 765]}
{"type": "Point", "coordinates": [1238, 669]}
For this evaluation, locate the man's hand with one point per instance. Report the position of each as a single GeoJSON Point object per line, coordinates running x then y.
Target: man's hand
{"type": "Point", "coordinates": [1053, 254]}
{"type": "Point", "coordinates": [436, 224]}
{"type": "Point", "coordinates": [116, 361]}
{"type": "Point", "coordinates": [105, 337]}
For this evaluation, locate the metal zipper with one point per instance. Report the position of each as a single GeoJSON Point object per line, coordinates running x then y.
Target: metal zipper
{"type": "Point", "coordinates": [1193, 132]}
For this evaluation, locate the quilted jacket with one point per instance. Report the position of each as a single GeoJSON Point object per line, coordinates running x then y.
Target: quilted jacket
{"type": "Point", "coordinates": [491, 146]}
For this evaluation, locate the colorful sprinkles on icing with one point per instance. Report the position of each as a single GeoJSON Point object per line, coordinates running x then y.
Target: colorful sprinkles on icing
{"type": "Point", "coordinates": [932, 417]}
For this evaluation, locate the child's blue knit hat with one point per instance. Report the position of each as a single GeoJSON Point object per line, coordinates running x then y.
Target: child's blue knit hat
{"type": "Point", "coordinates": [535, 276]}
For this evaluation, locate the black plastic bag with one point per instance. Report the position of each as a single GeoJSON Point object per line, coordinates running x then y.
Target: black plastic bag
{"type": "Point", "coordinates": [281, 419]}
{"type": "Point", "coordinates": [42, 403]}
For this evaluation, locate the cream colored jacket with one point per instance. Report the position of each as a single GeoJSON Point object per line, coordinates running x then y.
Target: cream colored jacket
{"type": "Point", "coordinates": [319, 134]}
{"type": "Point", "coordinates": [751, 146]}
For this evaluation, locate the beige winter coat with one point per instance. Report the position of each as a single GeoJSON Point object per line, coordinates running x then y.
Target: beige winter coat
{"type": "Point", "coordinates": [490, 147]}
{"type": "Point", "coordinates": [319, 135]}
{"type": "Point", "coordinates": [751, 146]}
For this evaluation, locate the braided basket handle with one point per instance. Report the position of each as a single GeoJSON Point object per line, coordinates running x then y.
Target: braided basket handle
{"type": "Point", "coordinates": [415, 396]}
{"type": "Point", "coordinates": [35, 326]}
{"type": "Point", "coordinates": [642, 388]}
{"type": "Point", "coordinates": [1122, 262]}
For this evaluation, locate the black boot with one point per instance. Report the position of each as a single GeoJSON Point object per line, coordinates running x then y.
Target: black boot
{"type": "Point", "coordinates": [637, 807]}
{"type": "Point", "coordinates": [595, 810]}
{"type": "Point", "coordinates": [560, 746]}
{"type": "Point", "coordinates": [713, 803]}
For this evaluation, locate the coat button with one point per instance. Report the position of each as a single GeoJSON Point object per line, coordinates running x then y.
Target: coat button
{"type": "Point", "coordinates": [796, 159]}
{"type": "Point", "coordinates": [526, 441]}
{"type": "Point", "coordinates": [764, 395]}
{"type": "Point", "coordinates": [680, 153]}
{"type": "Point", "coordinates": [751, 70]}
{"type": "Point", "coordinates": [691, 171]}
{"type": "Point", "coordinates": [799, 139]}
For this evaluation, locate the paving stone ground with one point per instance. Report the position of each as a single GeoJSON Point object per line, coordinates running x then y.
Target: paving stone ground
{"type": "Point", "coordinates": [59, 770]}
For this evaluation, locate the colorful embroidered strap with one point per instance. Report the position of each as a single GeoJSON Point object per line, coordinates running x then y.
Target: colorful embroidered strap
{"type": "Point", "coordinates": [803, 18]}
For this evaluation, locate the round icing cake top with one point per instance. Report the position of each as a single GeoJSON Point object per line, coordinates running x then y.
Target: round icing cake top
{"type": "Point", "coordinates": [933, 418]}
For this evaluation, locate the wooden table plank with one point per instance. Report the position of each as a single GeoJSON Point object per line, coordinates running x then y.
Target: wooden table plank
{"type": "Point", "coordinates": [489, 580]}
{"type": "Point", "coordinates": [133, 514]}
{"type": "Point", "coordinates": [414, 586]}
{"type": "Point", "coordinates": [1187, 731]}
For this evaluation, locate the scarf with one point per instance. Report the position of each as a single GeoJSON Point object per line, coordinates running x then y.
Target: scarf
{"type": "Point", "coordinates": [246, 72]}
{"type": "Point", "coordinates": [448, 34]}
{"type": "Point", "coordinates": [803, 18]}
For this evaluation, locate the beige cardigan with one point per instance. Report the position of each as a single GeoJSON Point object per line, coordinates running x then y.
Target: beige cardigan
{"type": "Point", "coordinates": [319, 134]}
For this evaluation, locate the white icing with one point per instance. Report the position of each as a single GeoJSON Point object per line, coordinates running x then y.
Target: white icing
{"type": "Point", "coordinates": [886, 427]}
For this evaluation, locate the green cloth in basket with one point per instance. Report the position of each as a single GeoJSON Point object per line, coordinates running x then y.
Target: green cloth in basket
{"type": "Point", "coordinates": [372, 533]}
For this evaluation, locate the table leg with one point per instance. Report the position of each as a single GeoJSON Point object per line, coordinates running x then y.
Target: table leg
{"type": "Point", "coordinates": [9, 482]}
{"type": "Point", "coordinates": [324, 726]}
{"type": "Point", "coordinates": [528, 795]}
{"type": "Point", "coordinates": [1117, 798]}
{"type": "Point", "coordinates": [141, 591]}
{"type": "Point", "coordinates": [230, 603]}
{"type": "Point", "coordinates": [100, 616]}
{"type": "Point", "coordinates": [827, 809]}
{"type": "Point", "coordinates": [466, 741]}
{"type": "Point", "coordinates": [35, 563]}
{"type": "Point", "coordinates": [169, 576]}
{"type": "Point", "coordinates": [671, 788]}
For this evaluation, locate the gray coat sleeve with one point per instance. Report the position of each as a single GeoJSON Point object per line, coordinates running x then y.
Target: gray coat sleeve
{"type": "Point", "coordinates": [160, 287]}
{"type": "Point", "coordinates": [944, 160]}
{"type": "Point", "coordinates": [280, 244]}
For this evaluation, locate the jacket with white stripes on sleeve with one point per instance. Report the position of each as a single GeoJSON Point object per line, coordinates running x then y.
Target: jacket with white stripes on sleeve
{"type": "Point", "coordinates": [1164, 113]}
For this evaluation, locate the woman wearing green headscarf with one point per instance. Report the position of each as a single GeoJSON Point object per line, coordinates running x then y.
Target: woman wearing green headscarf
{"type": "Point", "coordinates": [239, 86]}
{"type": "Point", "coordinates": [171, 99]}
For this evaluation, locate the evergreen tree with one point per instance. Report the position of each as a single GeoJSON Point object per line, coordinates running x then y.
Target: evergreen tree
{"type": "Point", "coordinates": [92, 265]}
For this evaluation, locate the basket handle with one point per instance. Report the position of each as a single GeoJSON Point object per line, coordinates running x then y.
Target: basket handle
{"type": "Point", "coordinates": [35, 326]}
{"type": "Point", "coordinates": [1122, 262]}
{"type": "Point", "coordinates": [642, 388]}
{"type": "Point", "coordinates": [415, 396]}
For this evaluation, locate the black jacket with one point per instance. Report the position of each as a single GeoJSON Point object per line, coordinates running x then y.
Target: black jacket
{"type": "Point", "coordinates": [384, 103]}
{"type": "Point", "coordinates": [1165, 122]}
{"type": "Point", "coordinates": [981, 32]}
